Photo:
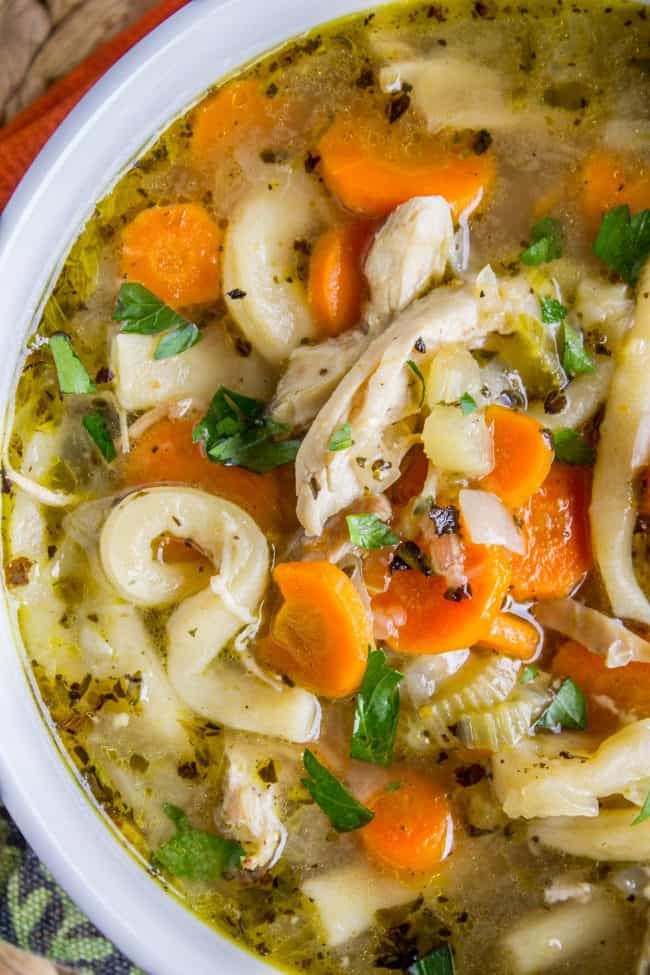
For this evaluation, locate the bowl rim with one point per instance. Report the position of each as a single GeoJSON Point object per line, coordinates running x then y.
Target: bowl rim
{"type": "Point", "coordinates": [155, 82]}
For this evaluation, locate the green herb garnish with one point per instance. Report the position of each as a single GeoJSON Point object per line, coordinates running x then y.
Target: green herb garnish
{"type": "Point", "coordinates": [574, 357]}
{"type": "Point", "coordinates": [342, 809]}
{"type": "Point", "coordinates": [571, 447]}
{"type": "Point", "coordinates": [553, 311]}
{"type": "Point", "coordinates": [413, 366]}
{"type": "Point", "coordinates": [376, 712]}
{"type": "Point", "coordinates": [369, 531]}
{"type": "Point", "coordinates": [528, 674]}
{"type": "Point", "coordinates": [644, 812]}
{"type": "Point", "coordinates": [568, 709]}
{"type": "Point", "coordinates": [236, 432]}
{"type": "Point", "coordinates": [96, 426]}
{"type": "Point", "coordinates": [467, 404]}
{"type": "Point", "coordinates": [341, 438]}
{"type": "Point", "coordinates": [71, 373]}
{"type": "Point", "coordinates": [193, 853]}
{"type": "Point", "coordinates": [142, 313]}
{"type": "Point", "coordinates": [623, 241]}
{"type": "Point", "coordinates": [547, 242]}
{"type": "Point", "coordinates": [440, 961]}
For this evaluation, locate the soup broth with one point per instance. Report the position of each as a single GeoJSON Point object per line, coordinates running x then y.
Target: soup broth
{"type": "Point", "coordinates": [325, 496]}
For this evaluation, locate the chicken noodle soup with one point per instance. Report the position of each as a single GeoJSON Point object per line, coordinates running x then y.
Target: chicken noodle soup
{"type": "Point", "coordinates": [326, 497]}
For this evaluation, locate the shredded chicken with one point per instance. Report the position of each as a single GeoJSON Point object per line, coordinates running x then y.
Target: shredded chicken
{"type": "Point", "coordinates": [248, 812]}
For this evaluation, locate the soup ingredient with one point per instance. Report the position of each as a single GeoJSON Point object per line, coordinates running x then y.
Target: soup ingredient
{"type": "Point", "coordinates": [568, 709]}
{"type": "Point", "coordinates": [342, 438]}
{"type": "Point", "coordinates": [505, 724]}
{"type": "Point", "coordinates": [376, 712]}
{"type": "Point", "coordinates": [412, 829]}
{"type": "Point", "coordinates": [547, 242]}
{"type": "Point", "coordinates": [488, 522]}
{"type": "Point", "coordinates": [411, 252]}
{"type": "Point", "coordinates": [622, 452]}
{"type": "Point", "coordinates": [336, 284]}
{"type": "Point", "coordinates": [248, 808]}
{"type": "Point", "coordinates": [440, 961]}
{"type": "Point", "coordinates": [572, 448]}
{"type": "Point", "coordinates": [645, 812]}
{"type": "Point", "coordinates": [579, 401]}
{"type": "Point", "coordinates": [195, 854]}
{"type": "Point", "coordinates": [321, 634]}
{"type": "Point", "coordinates": [610, 837]}
{"type": "Point", "coordinates": [142, 313]}
{"type": "Point", "coordinates": [427, 617]}
{"type": "Point", "coordinates": [96, 425]}
{"type": "Point", "coordinates": [628, 686]}
{"type": "Point", "coordinates": [174, 252]}
{"type": "Point", "coordinates": [575, 359]}
{"type": "Point", "coordinates": [71, 373]}
{"type": "Point", "coordinates": [607, 183]}
{"type": "Point", "coordinates": [341, 808]}
{"type": "Point", "coordinates": [599, 633]}
{"type": "Point", "coordinates": [359, 169]}
{"type": "Point", "coordinates": [369, 531]}
{"type": "Point", "coordinates": [514, 636]}
{"type": "Point", "coordinates": [453, 374]}
{"type": "Point", "coordinates": [623, 242]}
{"type": "Point", "coordinates": [235, 112]}
{"type": "Point", "coordinates": [423, 675]}
{"type": "Point", "coordinates": [260, 260]}
{"type": "Point", "coordinates": [555, 526]}
{"type": "Point", "coordinates": [236, 430]}
{"type": "Point", "coordinates": [417, 372]}
{"type": "Point", "coordinates": [458, 443]}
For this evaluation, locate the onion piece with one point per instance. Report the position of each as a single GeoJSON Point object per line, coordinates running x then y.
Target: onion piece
{"type": "Point", "coordinates": [623, 450]}
{"type": "Point", "coordinates": [424, 675]}
{"type": "Point", "coordinates": [489, 522]}
{"type": "Point", "coordinates": [601, 634]}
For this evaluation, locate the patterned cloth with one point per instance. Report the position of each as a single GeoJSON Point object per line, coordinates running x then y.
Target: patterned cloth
{"type": "Point", "coordinates": [37, 916]}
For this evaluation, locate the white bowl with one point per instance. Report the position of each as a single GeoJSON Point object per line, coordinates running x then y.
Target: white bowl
{"type": "Point", "coordinates": [154, 83]}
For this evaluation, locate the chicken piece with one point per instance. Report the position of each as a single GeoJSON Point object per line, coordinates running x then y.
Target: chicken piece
{"type": "Point", "coordinates": [334, 544]}
{"type": "Point", "coordinates": [380, 398]}
{"type": "Point", "coordinates": [411, 252]}
{"type": "Point", "coordinates": [248, 812]}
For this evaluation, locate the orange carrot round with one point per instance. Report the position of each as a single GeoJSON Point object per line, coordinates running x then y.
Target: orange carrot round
{"type": "Point", "coordinates": [165, 452]}
{"type": "Point", "coordinates": [628, 687]}
{"type": "Point", "coordinates": [427, 617]}
{"type": "Point", "coordinates": [412, 829]}
{"type": "Point", "coordinates": [174, 251]}
{"type": "Point", "coordinates": [606, 182]}
{"type": "Point", "coordinates": [514, 636]}
{"type": "Point", "coordinates": [321, 634]}
{"type": "Point", "coordinates": [236, 110]}
{"type": "Point", "coordinates": [359, 170]}
{"type": "Point", "coordinates": [336, 283]}
{"type": "Point", "coordinates": [555, 526]}
{"type": "Point", "coordinates": [522, 456]}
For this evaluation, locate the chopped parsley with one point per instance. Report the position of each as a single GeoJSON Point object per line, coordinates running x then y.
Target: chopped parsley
{"type": "Point", "coordinates": [376, 712]}
{"type": "Point", "coordinates": [440, 961]}
{"type": "Point", "coordinates": [71, 373]}
{"type": "Point", "coordinates": [413, 366]}
{"type": "Point", "coordinates": [142, 313]}
{"type": "Point", "coordinates": [547, 243]}
{"type": "Point", "coordinates": [369, 531]}
{"type": "Point", "coordinates": [193, 853]}
{"type": "Point", "coordinates": [553, 311]}
{"type": "Point", "coordinates": [467, 404]}
{"type": "Point", "coordinates": [644, 812]}
{"type": "Point", "coordinates": [575, 359]}
{"type": "Point", "coordinates": [571, 447]}
{"type": "Point", "coordinates": [568, 709]}
{"type": "Point", "coordinates": [341, 808]}
{"type": "Point", "coordinates": [96, 426]}
{"type": "Point", "coordinates": [236, 432]}
{"type": "Point", "coordinates": [341, 438]}
{"type": "Point", "coordinates": [528, 674]}
{"type": "Point", "coordinates": [623, 241]}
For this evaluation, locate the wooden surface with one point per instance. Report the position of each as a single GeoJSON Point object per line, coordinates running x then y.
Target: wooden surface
{"type": "Point", "coordinates": [41, 40]}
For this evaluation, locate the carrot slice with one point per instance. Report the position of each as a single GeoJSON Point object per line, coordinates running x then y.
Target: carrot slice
{"type": "Point", "coordinates": [555, 525]}
{"type": "Point", "coordinates": [606, 184]}
{"type": "Point", "coordinates": [174, 251]}
{"type": "Point", "coordinates": [165, 452]}
{"type": "Point", "coordinates": [513, 636]}
{"type": "Point", "coordinates": [628, 687]}
{"type": "Point", "coordinates": [412, 829]}
{"type": "Point", "coordinates": [336, 284]}
{"type": "Point", "coordinates": [522, 456]}
{"type": "Point", "coordinates": [415, 468]}
{"type": "Point", "coordinates": [427, 617]}
{"type": "Point", "coordinates": [321, 634]}
{"type": "Point", "coordinates": [360, 169]}
{"type": "Point", "coordinates": [235, 111]}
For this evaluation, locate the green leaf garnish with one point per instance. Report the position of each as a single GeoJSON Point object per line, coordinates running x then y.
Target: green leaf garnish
{"type": "Point", "coordinates": [467, 404]}
{"type": "Point", "coordinates": [413, 366]}
{"type": "Point", "coordinates": [342, 809]}
{"type": "Point", "coordinates": [571, 447]}
{"type": "Point", "coordinates": [547, 243]}
{"type": "Point", "coordinates": [623, 242]}
{"type": "Point", "coordinates": [96, 426]}
{"type": "Point", "coordinates": [341, 438]}
{"type": "Point", "coordinates": [644, 812]}
{"type": "Point", "coordinates": [574, 357]}
{"type": "Point", "coordinates": [71, 373]}
{"type": "Point", "coordinates": [369, 531]}
{"type": "Point", "coordinates": [568, 709]}
{"type": "Point", "coordinates": [553, 311]}
{"type": "Point", "coordinates": [528, 674]}
{"type": "Point", "coordinates": [236, 432]}
{"type": "Point", "coordinates": [142, 313]}
{"type": "Point", "coordinates": [440, 961]}
{"type": "Point", "coordinates": [193, 853]}
{"type": "Point", "coordinates": [376, 712]}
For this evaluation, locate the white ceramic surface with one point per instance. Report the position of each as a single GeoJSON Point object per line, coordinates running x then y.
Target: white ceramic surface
{"type": "Point", "coordinates": [154, 83]}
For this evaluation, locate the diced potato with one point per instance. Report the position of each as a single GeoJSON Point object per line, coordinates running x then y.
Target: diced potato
{"type": "Point", "coordinates": [458, 444]}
